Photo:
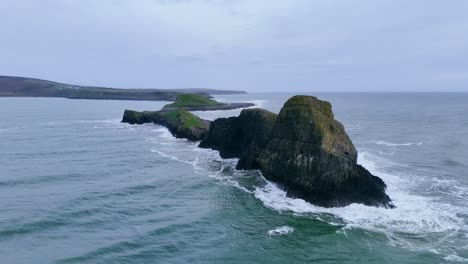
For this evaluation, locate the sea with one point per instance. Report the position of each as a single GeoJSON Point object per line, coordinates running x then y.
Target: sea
{"type": "Point", "coordinates": [79, 186]}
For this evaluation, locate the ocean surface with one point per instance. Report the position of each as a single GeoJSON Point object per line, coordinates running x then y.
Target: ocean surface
{"type": "Point", "coordinates": [78, 186]}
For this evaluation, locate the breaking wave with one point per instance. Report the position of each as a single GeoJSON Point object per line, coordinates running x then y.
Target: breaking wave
{"type": "Point", "coordinates": [282, 230]}
{"type": "Point", "coordinates": [414, 215]}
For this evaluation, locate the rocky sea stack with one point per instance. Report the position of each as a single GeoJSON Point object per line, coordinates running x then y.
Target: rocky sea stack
{"type": "Point", "coordinates": [303, 149]}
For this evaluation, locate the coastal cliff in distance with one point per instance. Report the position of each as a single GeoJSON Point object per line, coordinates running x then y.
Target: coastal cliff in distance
{"type": "Point", "coordinates": [29, 87]}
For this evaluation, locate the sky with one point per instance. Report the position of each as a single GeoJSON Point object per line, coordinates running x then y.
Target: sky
{"type": "Point", "coordinates": [252, 45]}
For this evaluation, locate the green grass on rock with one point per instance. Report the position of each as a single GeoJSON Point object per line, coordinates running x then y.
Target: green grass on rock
{"type": "Point", "coordinates": [192, 100]}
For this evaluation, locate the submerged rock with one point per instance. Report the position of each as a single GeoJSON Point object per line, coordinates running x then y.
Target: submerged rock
{"type": "Point", "coordinates": [304, 149]}
{"type": "Point", "coordinates": [180, 122]}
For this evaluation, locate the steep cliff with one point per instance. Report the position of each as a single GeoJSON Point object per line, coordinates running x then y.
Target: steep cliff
{"type": "Point", "coordinates": [241, 137]}
{"type": "Point", "coordinates": [304, 149]}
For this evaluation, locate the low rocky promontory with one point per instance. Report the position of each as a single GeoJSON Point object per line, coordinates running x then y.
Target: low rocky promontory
{"type": "Point", "coordinates": [177, 118]}
{"type": "Point", "coordinates": [180, 122]}
{"type": "Point", "coordinates": [196, 102]}
{"type": "Point", "coordinates": [303, 149]}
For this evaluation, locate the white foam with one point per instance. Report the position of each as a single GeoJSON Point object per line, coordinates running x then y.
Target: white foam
{"type": "Point", "coordinates": [172, 157]}
{"type": "Point", "coordinates": [257, 103]}
{"type": "Point", "coordinates": [275, 198]}
{"type": "Point", "coordinates": [455, 258]}
{"type": "Point", "coordinates": [389, 144]}
{"type": "Point", "coordinates": [414, 214]}
{"type": "Point", "coordinates": [389, 153]}
{"type": "Point", "coordinates": [351, 127]}
{"type": "Point", "coordinates": [203, 159]}
{"type": "Point", "coordinates": [165, 133]}
{"type": "Point", "coordinates": [282, 230]}
{"type": "Point", "coordinates": [105, 121]}
{"type": "Point", "coordinates": [450, 187]}
{"type": "Point", "coordinates": [210, 156]}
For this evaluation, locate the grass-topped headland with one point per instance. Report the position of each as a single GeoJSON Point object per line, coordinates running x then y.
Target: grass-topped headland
{"type": "Point", "coordinates": [192, 100]}
{"type": "Point", "coordinates": [181, 118]}
{"type": "Point", "coordinates": [201, 102]}
{"type": "Point", "coordinates": [177, 118]}
{"type": "Point", "coordinates": [180, 122]}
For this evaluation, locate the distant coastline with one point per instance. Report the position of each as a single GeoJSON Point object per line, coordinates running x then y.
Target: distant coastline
{"type": "Point", "coordinates": [11, 86]}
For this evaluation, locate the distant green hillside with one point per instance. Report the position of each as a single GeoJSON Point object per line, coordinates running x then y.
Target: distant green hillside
{"type": "Point", "coordinates": [28, 87]}
{"type": "Point", "coordinates": [192, 100]}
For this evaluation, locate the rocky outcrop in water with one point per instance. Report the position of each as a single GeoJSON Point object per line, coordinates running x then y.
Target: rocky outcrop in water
{"type": "Point", "coordinates": [304, 149]}
{"type": "Point", "coordinates": [178, 120]}
{"type": "Point", "coordinates": [181, 123]}
{"type": "Point", "coordinates": [242, 137]}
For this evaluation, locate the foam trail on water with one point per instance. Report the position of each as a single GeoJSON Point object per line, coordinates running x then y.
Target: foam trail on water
{"type": "Point", "coordinates": [105, 121]}
{"type": "Point", "coordinates": [257, 103]}
{"type": "Point", "coordinates": [282, 230]}
{"type": "Point", "coordinates": [414, 214]}
{"type": "Point", "coordinates": [182, 150]}
{"type": "Point", "coordinates": [455, 258]}
{"type": "Point", "coordinates": [389, 144]}
{"type": "Point", "coordinates": [165, 155]}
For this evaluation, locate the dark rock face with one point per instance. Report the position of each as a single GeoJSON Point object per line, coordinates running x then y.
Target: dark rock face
{"type": "Point", "coordinates": [303, 149]}
{"type": "Point", "coordinates": [135, 117]}
{"type": "Point", "coordinates": [241, 137]}
{"type": "Point", "coordinates": [181, 123]}
{"type": "Point", "coordinates": [224, 135]}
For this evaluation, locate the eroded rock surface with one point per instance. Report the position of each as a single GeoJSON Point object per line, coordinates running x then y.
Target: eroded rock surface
{"type": "Point", "coordinates": [241, 137]}
{"type": "Point", "coordinates": [304, 149]}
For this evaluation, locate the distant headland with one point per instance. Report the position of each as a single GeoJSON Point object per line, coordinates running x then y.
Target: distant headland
{"type": "Point", "coordinates": [11, 86]}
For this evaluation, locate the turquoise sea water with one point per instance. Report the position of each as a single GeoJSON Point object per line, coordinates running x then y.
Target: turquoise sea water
{"type": "Point", "coordinates": [78, 186]}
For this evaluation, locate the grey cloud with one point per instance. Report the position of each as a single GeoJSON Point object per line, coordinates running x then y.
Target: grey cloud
{"type": "Point", "coordinates": [328, 45]}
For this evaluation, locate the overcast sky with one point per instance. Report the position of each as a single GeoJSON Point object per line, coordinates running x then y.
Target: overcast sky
{"type": "Point", "coordinates": [254, 45]}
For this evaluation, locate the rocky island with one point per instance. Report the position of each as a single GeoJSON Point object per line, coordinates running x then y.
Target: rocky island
{"type": "Point", "coordinates": [177, 118]}
{"type": "Point", "coordinates": [303, 149]}
{"type": "Point", "coordinates": [196, 102]}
